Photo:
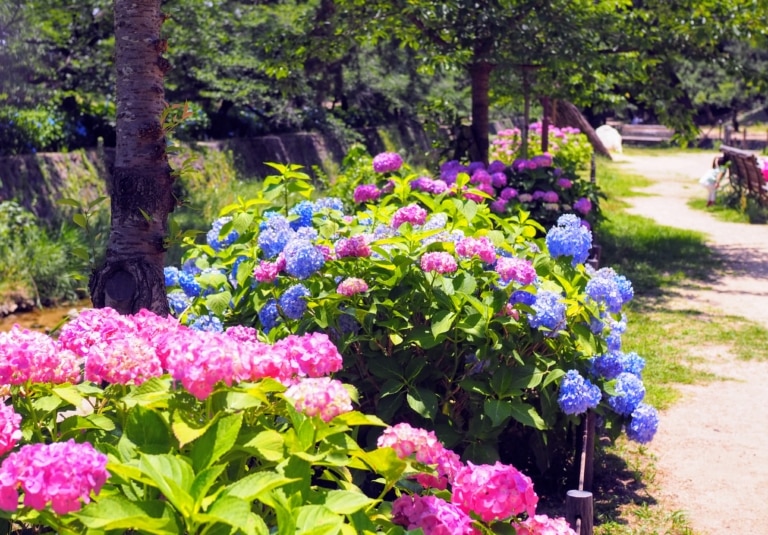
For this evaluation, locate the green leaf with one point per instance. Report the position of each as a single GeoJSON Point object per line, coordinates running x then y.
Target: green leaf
{"type": "Point", "coordinates": [119, 513]}
{"type": "Point", "coordinates": [317, 520]}
{"type": "Point", "coordinates": [148, 430]}
{"type": "Point", "coordinates": [230, 511]}
{"type": "Point", "coordinates": [268, 444]}
{"type": "Point", "coordinates": [242, 222]}
{"type": "Point", "coordinates": [81, 253]}
{"type": "Point", "coordinates": [423, 401]}
{"type": "Point", "coordinates": [69, 202]}
{"type": "Point", "coordinates": [526, 414]}
{"type": "Point", "coordinates": [217, 441]}
{"type": "Point", "coordinates": [186, 429]}
{"type": "Point", "coordinates": [442, 321]}
{"type": "Point", "coordinates": [250, 487]}
{"type": "Point", "coordinates": [173, 476]}
{"type": "Point", "coordinates": [218, 303]}
{"type": "Point", "coordinates": [203, 483]}
{"type": "Point", "coordinates": [346, 502]}
{"type": "Point", "coordinates": [70, 394]}
{"type": "Point", "coordinates": [497, 410]}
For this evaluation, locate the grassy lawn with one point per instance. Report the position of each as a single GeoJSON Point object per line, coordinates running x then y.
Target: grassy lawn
{"type": "Point", "coordinates": [659, 261]}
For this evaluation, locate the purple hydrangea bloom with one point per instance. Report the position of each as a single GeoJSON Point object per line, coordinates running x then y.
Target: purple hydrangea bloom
{"type": "Point", "coordinates": [549, 312]}
{"type": "Point", "coordinates": [496, 166]}
{"type": "Point", "coordinates": [643, 425]}
{"type": "Point", "coordinates": [577, 394]}
{"type": "Point", "coordinates": [583, 205]}
{"type": "Point", "coordinates": [365, 193]}
{"type": "Point", "coordinates": [386, 162]}
{"type": "Point", "coordinates": [302, 258]}
{"type": "Point", "coordinates": [629, 393]}
{"type": "Point", "coordinates": [275, 235]}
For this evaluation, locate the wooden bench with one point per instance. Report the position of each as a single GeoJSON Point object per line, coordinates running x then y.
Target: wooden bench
{"type": "Point", "coordinates": [745, 174]}
{"type": "Point", "coordinates": [645, 133]}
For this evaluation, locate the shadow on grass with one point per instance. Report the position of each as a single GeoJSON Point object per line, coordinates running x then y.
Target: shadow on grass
{"type": "Point", "coordinates": [654, 257]}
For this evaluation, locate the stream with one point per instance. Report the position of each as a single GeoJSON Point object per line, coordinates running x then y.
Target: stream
{"type": "Point", "coordinates": [44, 319]}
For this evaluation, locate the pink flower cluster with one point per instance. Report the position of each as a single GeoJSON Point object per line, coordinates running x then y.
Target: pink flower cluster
{"type": "Point", "coordinates": [515, 269]}
{"type": "Point", "coordinates": [314, 354]}
{"type": "Point", "coordinates": [352, 286]}
{"type": "Point", "coordinates": [10, 428]}
{"type": "Point", "coordinates": [386, 162]}
{"type": "Point", "coordinates": [413, 214]}
{"type": "Point", "coordinates": [438, 261]}
{"type": "Point", "coordinates": [33, 356]}
{"type": "Point", "coordinates": [433, 515]}
{"type": "Point", "coordinates": [356, 246]}
{"type": "Point", "coordinates": [366, 192]}
{"type": "Point", "coordinates": [480, 247]}
{"type": "Point", "coordinates": [583, 205]}
{"type": "Point", "coordinates": [407, 441]}
{"type": "Point", "coordinates": [268, 271]}
{"type": "Point", "coordinates": [543, 525]}
{"type": "Point", "coordinates": [63, 474]}
{"type": "Point", "coordinates": [320, 396]}
{"type": "Point", "coordinates": [493, 492]}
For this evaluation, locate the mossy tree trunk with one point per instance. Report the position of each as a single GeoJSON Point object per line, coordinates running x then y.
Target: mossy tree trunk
{"type": "Point", "coordinates": [141, 188]}
{"type": "Point", "coordinates": [480, 75]}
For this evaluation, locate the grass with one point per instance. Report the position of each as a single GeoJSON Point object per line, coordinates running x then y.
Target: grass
{"type": "Point", "coordinates": [661, 262]}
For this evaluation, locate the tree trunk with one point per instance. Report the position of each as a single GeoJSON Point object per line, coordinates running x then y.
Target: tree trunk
{"type": "Point", "coordinates": [141, 188]}
{"type": "Point", "coordinates": [480, 73]}
{"type": "Point", "coordinates": [566, 114]}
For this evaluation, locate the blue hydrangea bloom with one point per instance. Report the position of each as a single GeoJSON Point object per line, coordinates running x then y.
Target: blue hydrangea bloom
{"type": "Point", "coordinates": [306, 233]}
{"type": "Point", "coordinates": [331, 203]}
{"type": "Point", "coordinates": [348, 324]}
{"type": "Point", "coordinates": [302, 258]}
{"type": "Point", "coordinates": [275, 235]}
{"type": "Point", "coordinates": [625, 288]}
{"type": "Point", "coordinates": [569, 238]}
{"type": "Point", "coordinates": [629, 393]}
{"type": "Point", "coordinates": [188, 283]}
{"type": "Point", "coordinates": [633, 363]}
{"type": "Point", "coordinates": [190, 267]}
{"type": "Point", "coordinates": [233, 273]}
{"type": "Point", "coordinates": [577, 394]}
{"type": "Point", "coordinates": [596, 325]}
{"type": "Point", "coordinates": [617, 328]}
{"type": "Point", "coordinates": [302, 213]}
{"type": "Point", "coordinates": [293, 302]}
{"type": "Point", "coordinates": [436, 222]}
{"type": "Point", "coordinates": [549, 312]}
{"type": "Point", "coordinates": [607, 287]}
{"type": "Point", "coordinates": [609, 365]}
{"type": "Point", "coordinates": [178, 302]}
{"type": "Point", "coordinates": [521, 296]}
{"type": "Point", "coordinates": [643, 425]}
{"type": "Point", "coordinates": [208, 323]}
{"type": "Point", "coordinates": [214, 238]}
{"type": "Point", "coordinates": [269, 315]}
{"type": "Point", "coordinates": [171, 275]}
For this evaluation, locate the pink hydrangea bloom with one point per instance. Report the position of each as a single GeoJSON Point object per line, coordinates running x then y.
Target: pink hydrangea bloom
{"type": "Point", "coordinates": [267, 271]}
{"type": "Point", "coordinates": [366, 192]}
{"type": "Point", "coordinates": [314, 353]}
{"type": "Point", "coordinates": [320, 396]}
{"type": "Point", "coordinates": [550, 196]}
{"type": "Point", "coordinates": [356, 246]}
{"type": "Point", "coordinates": [515, 269]}
{"type": "Point", "coordinates": [473, 197]}
{"type": "Point", "coordinates": [480, 247]}
{"type": "Point", "coordinates": [564, 183]}
{"type": "Point", "coordinates": [273, 361]}
{"type": "Point", "coordinates": [481, 176]}
{"type": "Point", "coordinates": [242, 333]}
{"type": "Point", "coordinates": [63, 474]}
{"type": "Point", "coordinates": [386, 162]}
{"type": "Point", "coordinates": [413, 214]}
{"type": "Point", "coordinates": [544, 525]}
{"type": "Point", "coordinates": [27, 355]}
{"type": "Point", "coordinates": [433, 515]}
{"type": "Point", "coordinates": [10, 428]}
{"type": "Point", "coordinates": [352, 286]}
{"type": "Point", "coordinates": [93, 325]}
{"type": "Point", "coordinates": [128, 359]}
{"type": "Point", "coordinates": [439, 261]}
{"type": "Point", "coordinates": [493, 492]}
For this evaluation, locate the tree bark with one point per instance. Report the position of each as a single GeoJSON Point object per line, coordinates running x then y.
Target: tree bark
{"type": "Point", "coordinates": [480, 73]}
{"type": "Point", "coordinates": [141, 188]}
{"type": "Point", "coordinates": [566, 114]}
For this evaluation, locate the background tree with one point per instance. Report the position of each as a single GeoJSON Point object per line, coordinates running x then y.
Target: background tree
{"type": "Point", "coordinates": [141, 189]}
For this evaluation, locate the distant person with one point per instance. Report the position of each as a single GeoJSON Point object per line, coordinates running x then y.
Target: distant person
{"type": "Point", "coordinates": [609, 137]}
{"type": "Point", "coordinates": [711, 180]}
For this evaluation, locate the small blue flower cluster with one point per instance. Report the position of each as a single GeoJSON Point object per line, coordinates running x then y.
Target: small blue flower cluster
{"type": "Point", "coordinates": [302, 258]}
{"type": "Point", "coordinates": [189, 284]}
{"type": "Point", "coordinates": [171, 276]}
{"type": "Point", "coordinates": [614, 363]}
{"type": "Point", "coordinates": [577, 394]}
{"type": "Point", "coordinates": [569, 238]}
{"type": "Point", "coordinates": [293, 302]}
{"type": "Point", "coordinates": [630, 391]}
{"type": "Point", "coordinates": [275, 234]}
{"type": "Point", "coordinates": [549, 312]}
{"type": "Point", "coordinates": [643, 425]}
{"type": "Point", "coordinates": [607, 287]}
{"type": "Point", "coordinates": [178, 302]}
{"type": "Point", "coordinates": [208, 323]}
{"type": "Point", "coordinates": [269, 315]}
{"type": "Point", "coordinates": [214, 239]}
{"type": "Point", "coordinates": [521, 296]}
{"type": "Point", "coordinates": [302, 215]}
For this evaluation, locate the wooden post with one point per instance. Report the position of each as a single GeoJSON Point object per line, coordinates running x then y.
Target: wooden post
{"type": "Point", "coordinates": [579, 511]}
{"type": "Point", "coordinates": [587, 465]}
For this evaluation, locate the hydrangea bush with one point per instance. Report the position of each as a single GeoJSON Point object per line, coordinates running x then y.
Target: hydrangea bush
{"type": "Point", "coordinates": [449, 316]}
{"type": "Point", "coordinates": [219, 432]}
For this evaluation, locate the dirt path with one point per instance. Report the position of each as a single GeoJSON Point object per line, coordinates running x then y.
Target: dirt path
{"type": "Point", "coordinates": [711, 449]}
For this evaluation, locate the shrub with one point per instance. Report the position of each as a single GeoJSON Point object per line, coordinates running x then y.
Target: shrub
{"type": "Point", "coordinates": [448, 316]}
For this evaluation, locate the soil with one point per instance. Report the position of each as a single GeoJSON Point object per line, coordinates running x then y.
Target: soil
{"type": "Point", "coordinates": [710, 448]}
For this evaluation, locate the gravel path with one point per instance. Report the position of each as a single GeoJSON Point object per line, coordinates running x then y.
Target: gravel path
{"type": "Point", "coordinates": [712, 458]}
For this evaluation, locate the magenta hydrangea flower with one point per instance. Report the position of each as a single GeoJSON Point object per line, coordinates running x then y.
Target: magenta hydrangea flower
{"type": "Point", "coordinates": [10, 428]}
{"type": "Point", "coordinates": [550, 197]}
{"type": "Point", "coordinates": [543, 525]}
{"type": "Point", "coordinates": [62, 474]}
{"type": "Point", "coordinates": [413, 214]}
{"type": "Point", "coordinates": [356, 246]}
{"type": "Point", "coordinates": [262, 361]}
{"type": "Point", "coordinates": [352, 286]}
{"type": "Point", "coordinates": [493, 491]}
{"type": "Point", "coordinates": [242, 333]}
{"type": "Point", "coordinates": [499, 206]}
{"type": "Point", "coordinates": [508, 194]}
{"type": "Point", "coordinates": [365, 193]}
{"type": "Point", "coordinates": [386, 162]}
{"type": "Point", "coordinates": [583, 205]}
{"type": "Point", "coordinates": [515, 269]}
{"type": "Point", "coordinates": [320, 396]}
{"type": "Point", "coordinates": [27, 355]}
{"type": "Point", "coordinates": [128, 359]}
{"type": "Point", "coordinates": [564, 183]}
{"type": "Point", "coordinates": [92, 326]}
{"type": "Point", "coordinates": [439, 261]}
{"type": "Point", "coordinates": [432, 515]}
{"type": "Point", "coordinates": [314, 354]}
{"type": "Point", "coordinates": [268, 271]}
{"type": "Point", "coordinates": [480, 247]}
